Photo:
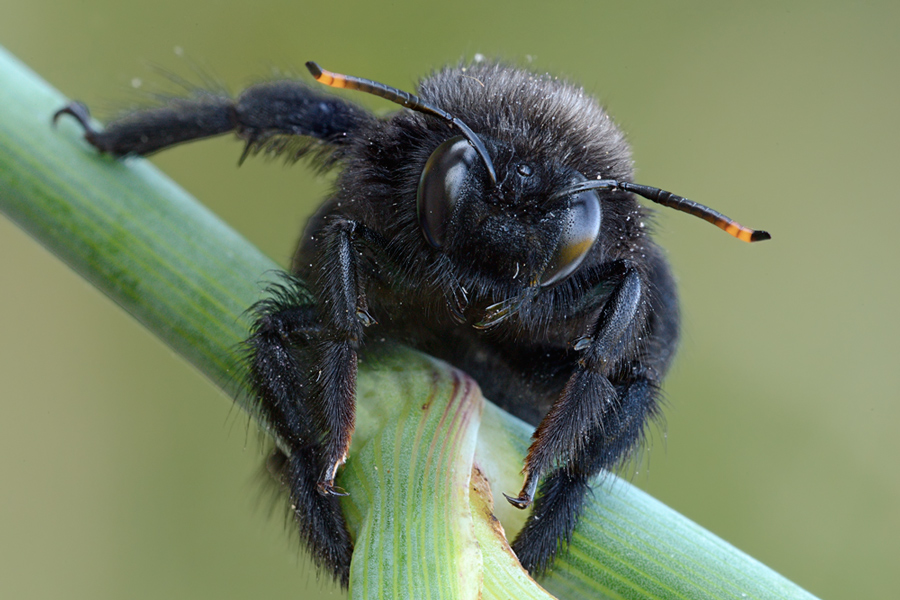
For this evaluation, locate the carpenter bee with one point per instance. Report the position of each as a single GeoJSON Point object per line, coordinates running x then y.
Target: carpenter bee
{"type": "Point", "coordinates": [493, 224]}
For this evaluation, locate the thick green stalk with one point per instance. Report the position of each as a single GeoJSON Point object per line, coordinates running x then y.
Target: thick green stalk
{"type": "Point", "coordinates": [189, 278]}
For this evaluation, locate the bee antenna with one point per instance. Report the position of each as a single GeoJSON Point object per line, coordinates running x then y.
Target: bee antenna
{"type": "Point", "coordinates": [671, 200]}
{"type": "Point", "coordinates": [405, 99]}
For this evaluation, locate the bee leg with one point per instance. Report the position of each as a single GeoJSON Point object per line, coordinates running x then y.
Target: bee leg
{"type": "Point", "coordinates": [281, 346]}
{"type": "Point", "coordinates": [573, 432]}
{"type": "Point", "coordinates": [562, 493]}
{"type": "Point", "coordinates": [258, 114]}
{"type": "Point", "coordinates": [344, 312]}
{"type": "Point", "coordinates": [588, 395]}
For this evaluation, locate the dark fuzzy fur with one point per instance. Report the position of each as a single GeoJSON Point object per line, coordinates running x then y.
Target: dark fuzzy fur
{"type": "Point", "coordinates": [588, 352]}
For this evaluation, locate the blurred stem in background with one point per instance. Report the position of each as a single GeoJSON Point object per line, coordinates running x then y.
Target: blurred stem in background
{"type": "Point", "coordinates": [189, 278]}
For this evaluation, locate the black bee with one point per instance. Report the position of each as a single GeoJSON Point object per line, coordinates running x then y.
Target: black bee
{"type": "Point", "coordinates": [493, 225]}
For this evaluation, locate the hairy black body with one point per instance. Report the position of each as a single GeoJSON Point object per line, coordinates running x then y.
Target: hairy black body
{"type": "Point", "coordinates": [493, 226]}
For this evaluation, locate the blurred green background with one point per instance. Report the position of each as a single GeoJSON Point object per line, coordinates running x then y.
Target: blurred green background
{"type": "Point", "coordinates": [125, 474]}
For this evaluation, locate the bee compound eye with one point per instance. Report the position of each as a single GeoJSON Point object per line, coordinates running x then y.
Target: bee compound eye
{"type": "Point", "coordinates": [580, 229]}
{"type": "Point", "coordinates": [445, 179]}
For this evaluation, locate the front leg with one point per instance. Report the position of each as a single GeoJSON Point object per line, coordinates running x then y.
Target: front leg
{"type": "Point", "coordinates": [343, 307]}
{"type": "Point", "coordinates": [281, 347]}
{"type": "Point", "coordinates": [302, 360]}
{"type": "Point", "coordinates": [588, 397]}
{"type": "Point", "coordinates": [618, 378]}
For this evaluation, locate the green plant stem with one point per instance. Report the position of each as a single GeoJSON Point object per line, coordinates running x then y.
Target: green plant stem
{"type": "Point", "coordinates": [189, 278]}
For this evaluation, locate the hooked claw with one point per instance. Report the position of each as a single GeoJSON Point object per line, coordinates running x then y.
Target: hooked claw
{"type": "Point", "coordinates": [526, 496]}
{"type": "Point", "coordinates": [81, 114]}
{"type": "Point", "coordinates": [521, 502]}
